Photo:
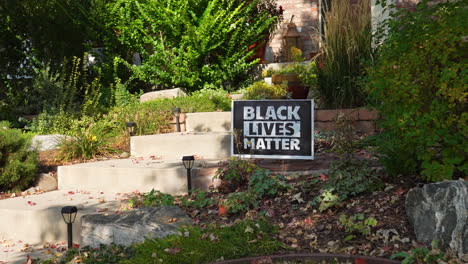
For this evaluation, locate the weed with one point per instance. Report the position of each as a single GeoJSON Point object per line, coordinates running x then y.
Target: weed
{"type": "Point", "coordinates": [357, 223]}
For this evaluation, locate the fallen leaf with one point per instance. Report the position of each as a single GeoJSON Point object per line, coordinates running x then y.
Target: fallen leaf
{"type": "Point", "coordinates": [400, 191]}
{"type": "Point", "coordinates": [222, 211]}
{"type": "Point", "coordinates": [172, 251]}
{"type": "Point", "coordinates": [249, 230]}
{"type": "Point", "coordinates": [323, 177]}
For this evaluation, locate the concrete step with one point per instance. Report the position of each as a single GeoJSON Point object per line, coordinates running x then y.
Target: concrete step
{"type": "Point", "coordinates": [208, 122]}
{"type": "Point", "coordinates": [142, 174]}
{"type": "Point", "coordinates": [208, 145]}
{"type": "Point", "coordinates": [37, 219]}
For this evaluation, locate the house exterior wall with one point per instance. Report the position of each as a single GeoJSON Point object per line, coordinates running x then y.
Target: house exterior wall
{"type": "Point", "coordinates": [307, 19]}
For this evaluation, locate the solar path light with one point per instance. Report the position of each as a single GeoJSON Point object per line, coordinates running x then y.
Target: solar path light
{"type": "Point", "coordinates": [69, 216]}
{"type": "Point", "coordinates": [188, 162]}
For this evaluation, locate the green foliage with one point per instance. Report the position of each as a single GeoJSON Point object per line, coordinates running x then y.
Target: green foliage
{"type": "Point", "coordinates": [246, 183]}
{"type": "Point", "coordinates": [347, 177]}
{"type": "Point", "coordinates": [357, 224]}
{"type": "Point", "coordinates": [247, 238]}
{"type": "Point", "coordinates": [18, 160]}
{"type": "Point", "coordinates": [261, 90]}
{"type": "Point", "coordinates": [238, 202]}
{"type": "Point", "coordinates": [350, 177]}
{"type": "Point", "coordinates": [154, 117]}
{"type": "Point", "coordinates": [421, 255]}
{"type": "Point", "coordinates": [347, 43]}
{"type": "Point", "coordinates": [190, 43]}
{"type": "Point", "coordinates": [86, 140]}
{"type": "Point", "coordinates": [419, 85]}
{"type": "Point", "coordinates": [198, 199]}
{"type": "Point", "coordinates": [154, 198]}
{"type": "Point", "coordinates": [234, 174]}
{"type": "Point", "coordinates": [262, 183]}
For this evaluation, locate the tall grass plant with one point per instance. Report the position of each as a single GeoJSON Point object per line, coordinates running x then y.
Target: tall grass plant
{"type": "Point", "coordinates": [346, 45]}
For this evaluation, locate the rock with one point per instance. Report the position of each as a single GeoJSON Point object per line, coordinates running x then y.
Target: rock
{"type": "Point", "coordinates": [46, 142]}
{"type": "Point", "coordinates": [124, 155]}
{"type": "Point", "coordinates": [129, 227]}
{"type": "Point", "coordinates": [237, 96]}
{"type": "Point", "coordinates": [169, 93]}
{"type": "Point", "coordinates": [46, 182]}
{"type": "Point", "coordinates": [439, 211]}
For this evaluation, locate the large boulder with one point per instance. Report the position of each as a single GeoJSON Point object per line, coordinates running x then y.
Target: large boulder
{"type": "Point", "coordinates": [169, 93]}
{"type": "Point", "coordinates": [439, 211]}
{"type": "Point", "coordinates": [129, 227]}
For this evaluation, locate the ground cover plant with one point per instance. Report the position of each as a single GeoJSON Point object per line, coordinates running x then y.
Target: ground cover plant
{"type": "Point", "coordinates": [419, 85]}
{"type": "Point", "coordinates": [241, 239]}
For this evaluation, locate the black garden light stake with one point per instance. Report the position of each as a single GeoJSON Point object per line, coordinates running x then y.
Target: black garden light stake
{"type": "Point", "coordinates": [131, 128]}
{"type": "Point", "coordinates": [176, 111]}
{"type": "Point", "coordinates": [188, 162]}
{"type": "Point", "coordinates": [69, 216]}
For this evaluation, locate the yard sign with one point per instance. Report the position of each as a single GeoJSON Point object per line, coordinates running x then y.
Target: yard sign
{"type": "Point", "coordinates": [275, 129]}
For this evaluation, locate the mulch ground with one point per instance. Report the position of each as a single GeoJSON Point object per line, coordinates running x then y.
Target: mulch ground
{"type": "Point", "coordinates": [304, 229]}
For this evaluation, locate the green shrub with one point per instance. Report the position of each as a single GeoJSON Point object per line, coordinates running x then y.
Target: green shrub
{"type": "Point", "coordinates": [234, 174]}
{"type": "Point", "coordinates": [247, 238]}
{"type": "Point", "coordinates": [246, 183]}
{"type": "Point", "coordinates": [419, 86]}
{"type": "Point", "coordinates": [191, 43]}
{"type": "Point", "coordinates": [261, 90]}
{"type": "Point", "coordinates": [18, 160]}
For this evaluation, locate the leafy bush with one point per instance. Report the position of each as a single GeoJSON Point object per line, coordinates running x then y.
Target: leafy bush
{"type": "Point", "coordinates": [247, 238]}
{"type": "Point", "coordinates": [261, 90]}
{"type": "Point", "coordinates": [246, 183]}
{"type": "Point", "coordinates": [418, 84]}
{"type": "Point", "coordinates": [347, 43]}
{"type": "Point", "coordinates": [18, 160]}
{"type": "Point", "coordinates": [234, 174]}
{"type": "Point", "coordinates": [191, 43]}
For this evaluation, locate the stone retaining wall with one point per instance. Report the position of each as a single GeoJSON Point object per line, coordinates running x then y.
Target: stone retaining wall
{"type": "Point", "coordinates": [363, 120]}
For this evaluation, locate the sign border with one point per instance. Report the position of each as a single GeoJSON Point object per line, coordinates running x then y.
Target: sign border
{"type": "Point", "coordinates": [253, 156]}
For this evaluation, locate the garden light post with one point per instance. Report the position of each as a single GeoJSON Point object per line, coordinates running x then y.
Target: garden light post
{"type": "Point", "coordinates": [131, 128]}
{"type": "Point", "coordinates": [188, 162]}
{"type": "Point", "coordinates": [176, 111]}
{"type": "Point", "coordinates": [69, 216]}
